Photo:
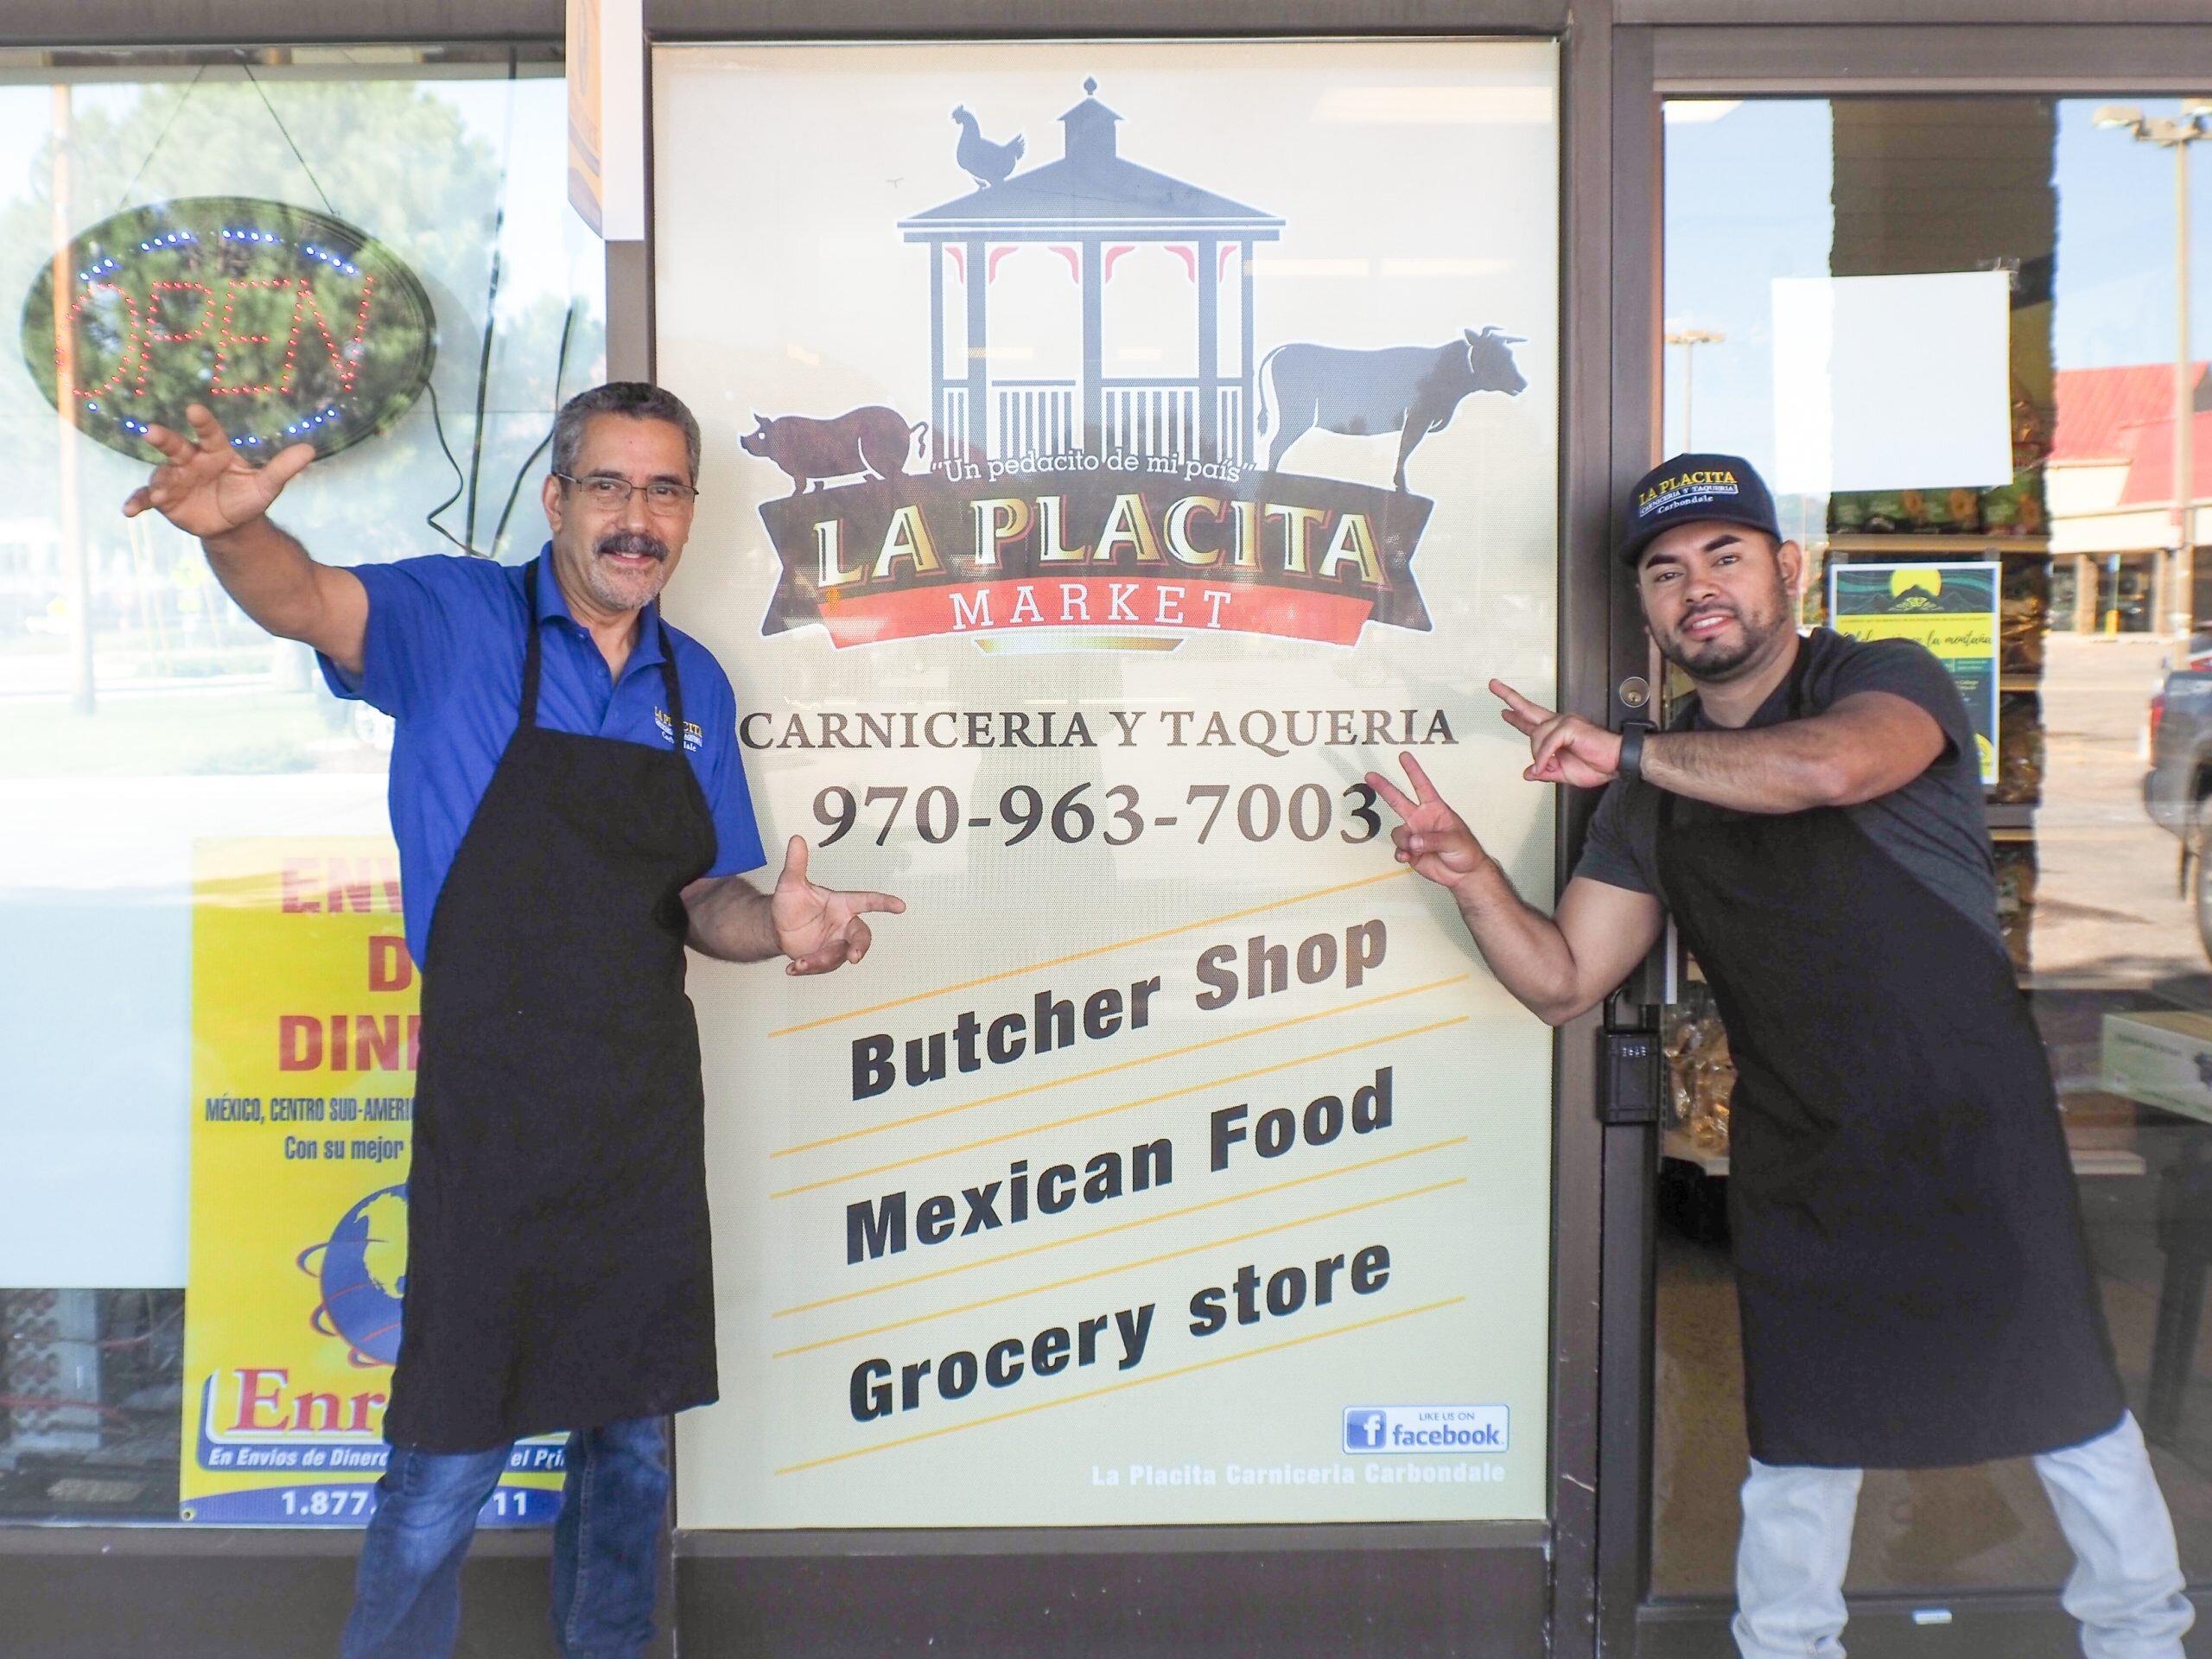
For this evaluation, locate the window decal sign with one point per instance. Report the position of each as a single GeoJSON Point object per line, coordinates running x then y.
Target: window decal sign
{"type": "Point", "coordinates": [306, 1034]}
{"type": "Point", "coordinates": [1099, 500]}
{"type": "Point", "coordinates": [1954, 608]}
{"type": "Point", "coordinates": [292, 326]}
{"type": "Point", "coordinates": [1116, 451]}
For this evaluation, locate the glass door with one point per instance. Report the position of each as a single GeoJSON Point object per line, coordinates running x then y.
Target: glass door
{"type": "Point", "coordinates": [1945, 330]}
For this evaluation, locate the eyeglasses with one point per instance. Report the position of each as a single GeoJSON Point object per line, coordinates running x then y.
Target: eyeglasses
{"type": "Point", "coordinates": [615, 493]}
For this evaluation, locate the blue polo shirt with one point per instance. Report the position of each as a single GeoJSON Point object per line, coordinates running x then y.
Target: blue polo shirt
{"type": "Point", "coordinates": [444, 659]}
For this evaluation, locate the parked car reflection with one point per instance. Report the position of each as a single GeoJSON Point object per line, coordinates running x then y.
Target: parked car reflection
{"type": "Point", "coordinates": [2179, 783]}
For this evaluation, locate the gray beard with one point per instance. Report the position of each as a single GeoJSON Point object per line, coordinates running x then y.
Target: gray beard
{"type": "Point", "coordinates": [603, 590]}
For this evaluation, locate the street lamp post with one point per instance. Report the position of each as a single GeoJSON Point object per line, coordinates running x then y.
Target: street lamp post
{"type": "Point", "coordinates": [1689, 340]}
{"type": "Point", "coordinates": [2176, 133]}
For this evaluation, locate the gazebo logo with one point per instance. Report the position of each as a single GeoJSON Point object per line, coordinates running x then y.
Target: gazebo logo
{"type": "Point", "coordinates": [1042, 501]}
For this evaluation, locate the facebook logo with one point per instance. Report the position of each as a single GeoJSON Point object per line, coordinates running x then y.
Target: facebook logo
{"type": "Point", "coordinates": [1434, 1429]}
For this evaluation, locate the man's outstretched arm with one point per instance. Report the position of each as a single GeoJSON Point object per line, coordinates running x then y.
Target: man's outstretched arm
{"type": "Point", "coordinates": [206, 488]}
{"type": "Point", "coordinates": [819, 929]}
{"type": "Point", "coordinates": [1556, 966]}
{"type": "Point", "coordinates": [1864, 747]}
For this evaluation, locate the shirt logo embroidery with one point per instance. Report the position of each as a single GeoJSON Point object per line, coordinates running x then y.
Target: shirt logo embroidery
{"type": "Point", "coordinates": [693, 736]}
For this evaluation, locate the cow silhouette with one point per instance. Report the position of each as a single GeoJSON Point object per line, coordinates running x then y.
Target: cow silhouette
{"type": "Point", "coordinates": [871, 441]}
{"type": "Point", "coordinates": [1411, 390]}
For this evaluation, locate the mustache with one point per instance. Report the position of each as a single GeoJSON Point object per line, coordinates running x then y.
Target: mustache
{"type": "Point", "coordinates": [636, 542]}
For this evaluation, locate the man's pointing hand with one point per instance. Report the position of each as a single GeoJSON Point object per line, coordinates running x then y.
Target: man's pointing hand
{"type": "Point", "coordinates": [820, 929]}
{"type": "Point", "coordinates": [1434, 839]}
{"type": "Point", "coordinates": [1564, 748]}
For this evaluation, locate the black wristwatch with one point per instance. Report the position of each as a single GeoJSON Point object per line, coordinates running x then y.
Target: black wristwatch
{"type": "Point", "coordinates": [1632, 736]}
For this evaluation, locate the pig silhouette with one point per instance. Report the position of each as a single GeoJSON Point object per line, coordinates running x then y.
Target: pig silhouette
{"type": "Point", "coordinates": [872, 441]}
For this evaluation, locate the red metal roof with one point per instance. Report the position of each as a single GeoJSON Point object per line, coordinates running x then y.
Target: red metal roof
{"type": "Point", "coordinates": [2097, 407]}
{"type": "Point", "coordinates": [2151, 461]}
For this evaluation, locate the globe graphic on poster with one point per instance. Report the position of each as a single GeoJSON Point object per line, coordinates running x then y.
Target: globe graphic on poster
{"type": "Point", "coordinates": [362, 1269]}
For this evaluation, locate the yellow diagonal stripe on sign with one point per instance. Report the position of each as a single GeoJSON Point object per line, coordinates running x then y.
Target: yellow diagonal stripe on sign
{"type": "Point", "coordinates": [1123, 1226]}
{"type": "Point", "coordinates": [1118, 1387]}
{"type": "Point", "coordinates": [1122, 1106]}
{"type": "Point", "coordinates": [1094, 951]}
{"type": "Point", "coordinates": [1119, 1066]}
{"type": "Point", "coordinates": [1123, 1266]}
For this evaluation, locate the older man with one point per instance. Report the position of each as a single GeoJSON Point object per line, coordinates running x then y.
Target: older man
{"type": "Point", "coordinates": [1910, 1263]}
{"type": "Point", "coordinates": [571, 810]}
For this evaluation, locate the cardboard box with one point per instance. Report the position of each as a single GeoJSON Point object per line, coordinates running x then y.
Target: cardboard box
{"type": "Point", "coordinates": [2161, 1060]}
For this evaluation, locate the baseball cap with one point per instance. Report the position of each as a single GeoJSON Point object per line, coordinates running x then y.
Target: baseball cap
{"type": "Point", "coordinates": [1692, 488]}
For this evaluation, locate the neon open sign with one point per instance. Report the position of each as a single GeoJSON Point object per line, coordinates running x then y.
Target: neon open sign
{"type": "Point", "coordinates": [292, 326]}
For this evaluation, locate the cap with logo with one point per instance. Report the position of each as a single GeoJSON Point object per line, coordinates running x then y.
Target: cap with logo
{"type": "Point", "coordinates": [1690, 489]}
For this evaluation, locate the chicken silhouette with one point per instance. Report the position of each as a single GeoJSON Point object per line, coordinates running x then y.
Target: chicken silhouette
{"type": "Point", "coordinates": [980, 158]}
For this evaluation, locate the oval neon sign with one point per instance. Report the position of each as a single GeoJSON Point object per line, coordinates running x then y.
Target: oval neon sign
{"type": "Point", "coordinates": [292, 326]}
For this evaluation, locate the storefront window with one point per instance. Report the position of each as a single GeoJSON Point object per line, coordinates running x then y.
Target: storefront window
{"type": "Point", "coordinates": [1944, 328]}
{"type": "Point", "coordinates": [370, 251]}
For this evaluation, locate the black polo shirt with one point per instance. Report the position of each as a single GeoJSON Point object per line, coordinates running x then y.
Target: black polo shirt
{"type": "Point", "coordinates": [1934, 827]}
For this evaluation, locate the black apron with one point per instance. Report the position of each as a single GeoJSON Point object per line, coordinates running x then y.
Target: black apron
{"type": "Point", "coordinates": [558, 1274]}
{"type": "Point", "coordinates": [1914, 1286]}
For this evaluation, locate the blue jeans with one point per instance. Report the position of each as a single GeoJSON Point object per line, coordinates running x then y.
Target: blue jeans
{"type": "Point", "coordinates": [606, 1545]}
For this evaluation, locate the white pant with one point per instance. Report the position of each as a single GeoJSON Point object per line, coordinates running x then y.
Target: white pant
{"type": "Point", "coordinates": [2126, 1587]}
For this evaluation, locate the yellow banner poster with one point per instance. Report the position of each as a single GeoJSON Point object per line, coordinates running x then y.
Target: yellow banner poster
{"type": "Point", "coordinates": [1956, 610]}
{"type": "Point", "coordinates": [305, 1033]}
